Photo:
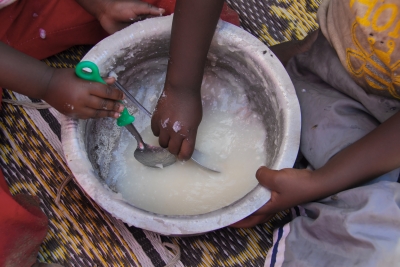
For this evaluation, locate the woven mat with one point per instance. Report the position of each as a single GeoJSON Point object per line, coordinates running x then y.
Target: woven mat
{"type": "Point", "coordinates": [83, 234]}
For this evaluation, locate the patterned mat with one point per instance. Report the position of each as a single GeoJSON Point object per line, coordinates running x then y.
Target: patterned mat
{"type": "Point", "coordinates": [81, 233]}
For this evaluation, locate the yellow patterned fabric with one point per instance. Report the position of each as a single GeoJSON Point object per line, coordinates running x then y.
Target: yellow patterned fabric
{"type": "Point", "coordinates": [83, 234]}
{"type": "Point", "coordinates": [366, 37]}
{"type": "Point", "coordinates": [277, 21]}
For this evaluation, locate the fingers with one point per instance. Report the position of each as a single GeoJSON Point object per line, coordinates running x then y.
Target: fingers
{"type": "Point", "coordinates": [137, 11]}
{"type": "Point", "coordinates": [101, 102]}
{"type": "Point", "coordinates": [97, 113]}
{"type": "Point", "coordinates": [104, 104]}
{"type": "Point", "coordinates": [155, 124]}
{"type": "Point", "coordinates": [110, 80]}
{"type": "Point", "coordinates": [87, 113]}
{"type": "Point", "coordinates": [103, 91]}
{"type": "Point", "coordinates": [266, 177]}
{"type": "Point", "coordinates": [187, 148]}
{"type": "Point", "coordinates": [120, 14]}
{"type": "Point", "coordinates": [252, 220]}
{"type": "Point", "coordinates": [142, 8]}
{"type": "Point", "coordinates": [176, 142]}
{"type": "Point", "coordinates": [163, 139]}
{"type": "Point", "coordinates": [269, 208]}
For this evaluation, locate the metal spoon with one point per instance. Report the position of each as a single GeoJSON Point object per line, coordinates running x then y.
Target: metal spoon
{"type": "Point", "coordinates": [197, 156]}
{"type": "Point", "coordinates": [151, 156]}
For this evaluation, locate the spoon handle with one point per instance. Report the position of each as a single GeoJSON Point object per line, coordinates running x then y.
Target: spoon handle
{"type": "Point", "coordinates": [132, 98]}
{"type": "Point", "coordinates": [132, 129]}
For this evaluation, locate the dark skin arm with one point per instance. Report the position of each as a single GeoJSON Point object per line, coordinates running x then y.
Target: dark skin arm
{"type": "Point", "coordinates": [192, 31]}
{"type": "Point", "coordinates": [61, 88]}
{"type": "Point", "coordinates": [373, 155]}
{"type": "Point", "coordinates": [191, 37]}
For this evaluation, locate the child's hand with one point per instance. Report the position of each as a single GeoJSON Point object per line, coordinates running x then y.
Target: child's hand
{"type": "Point", "coordinates": [175, 120]}
{"type": "Point", "coordinates": [289, 187]}
{"type": "Point", "coordinates": [181, 107]}
{"type": "Point", "coordinates": [82, 99]}
{"type": "Point", "coordinates": [114, 15]}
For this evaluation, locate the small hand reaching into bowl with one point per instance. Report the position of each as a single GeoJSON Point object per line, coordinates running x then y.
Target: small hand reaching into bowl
{"type": "Point", "coordinates": [175, 122]}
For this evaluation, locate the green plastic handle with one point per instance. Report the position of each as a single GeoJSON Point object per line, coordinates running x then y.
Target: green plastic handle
{"type": "Point", "coordinates": [89, 71]}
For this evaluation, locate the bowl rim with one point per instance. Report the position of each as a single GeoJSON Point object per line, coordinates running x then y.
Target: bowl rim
{"type": "Point", "coordinates": [78, 161]}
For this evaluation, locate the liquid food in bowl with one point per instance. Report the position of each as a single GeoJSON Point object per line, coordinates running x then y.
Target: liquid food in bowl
{"type": "Point", "coordinates": [251, 118]}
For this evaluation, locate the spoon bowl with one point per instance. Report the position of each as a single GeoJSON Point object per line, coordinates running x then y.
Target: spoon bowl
{"type": "Point", "coordinates": [151, 156]}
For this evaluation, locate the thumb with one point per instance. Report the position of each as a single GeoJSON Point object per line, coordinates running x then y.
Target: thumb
{"type": "Point", "coordinates": [268, 210]}
{"type": "Point", "coordinates": [266, 177]}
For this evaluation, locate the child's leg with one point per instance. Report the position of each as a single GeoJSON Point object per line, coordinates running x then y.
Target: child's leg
{"type": "Point", "coordinates": [23, 227]}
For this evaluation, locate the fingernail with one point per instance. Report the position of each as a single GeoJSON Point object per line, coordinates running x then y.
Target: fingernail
{"type": "Point", "coordinates": [117, 115]}
{"type": "Point", "coordinates": [162, 10]}
{"type": "Point", "coordinates": [120, 108]}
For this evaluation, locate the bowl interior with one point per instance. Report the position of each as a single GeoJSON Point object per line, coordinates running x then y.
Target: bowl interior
{"type": "Point", "coordinates": [139, 55]}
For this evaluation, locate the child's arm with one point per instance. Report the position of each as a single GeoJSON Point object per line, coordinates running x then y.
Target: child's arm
{"type": "Point", "coordinates": [61, 88]}
{"type": "Point", "coordinates": [116, 15]}
{"type": "Point", "coordinates": [373, 155]}
{"type": "Point", "coordinates": [179, 111]}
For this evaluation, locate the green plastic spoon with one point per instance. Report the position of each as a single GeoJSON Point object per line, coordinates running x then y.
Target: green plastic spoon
{"type": "Point", "coordinates": [151, 156]}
